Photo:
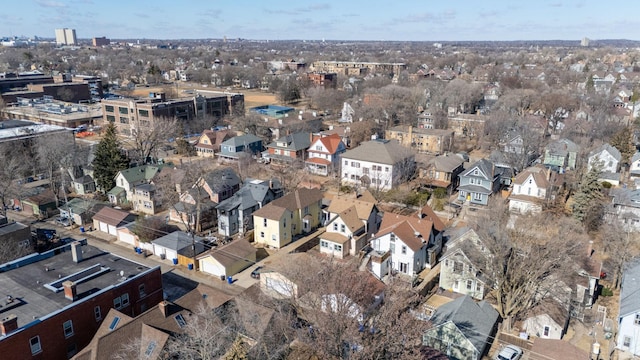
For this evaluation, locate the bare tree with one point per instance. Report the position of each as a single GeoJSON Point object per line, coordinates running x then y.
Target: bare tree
{"type": "Point", "coordinates": [526, 261]}
{"type": "Point", "coordinates": [620, 246]}
{"type": "Point", "coordinates": [148, 136]}
{"type": "Point", "coordinates": [51, 154]}
{"type": "Point", "coordinates": [10, 174]}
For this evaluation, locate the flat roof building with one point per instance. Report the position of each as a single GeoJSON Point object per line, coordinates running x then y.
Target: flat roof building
{"type": "Point", "coordinates": [54, 302]}
{"type": "Point", "coordinates": [66, 37]}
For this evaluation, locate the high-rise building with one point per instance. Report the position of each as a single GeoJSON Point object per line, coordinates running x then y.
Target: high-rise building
{"type": "Point", "coordinates": [66, 37]}
{"type": "Point", "coordinates": [100, 41]}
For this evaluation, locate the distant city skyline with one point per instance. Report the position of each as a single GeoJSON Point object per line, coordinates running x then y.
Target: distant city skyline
{"type": "Point", "coordinates": [463, 20]}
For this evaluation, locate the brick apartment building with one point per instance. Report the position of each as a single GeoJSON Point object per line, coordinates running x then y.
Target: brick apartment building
{"type": "Point", "coordinates": [354, 68]}
{"type": "Point", "coordinates": [124, 112]}
{"type": "Point", "coordinates": [13, 82]}
{"type": "Point", "coordinates": [54, 302]}
{"type": "Point", "coordinates": [433, 141]}
{"type": "Point", "coordinates": [328, 80]}
{"type": "Point", "coordinates": [100, 41]}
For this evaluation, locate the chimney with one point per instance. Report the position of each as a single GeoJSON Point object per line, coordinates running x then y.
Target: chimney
{"type": "Point", "coordinates": [76, 252]}
{"type": "Point", "coordinates": [8, 324]}
{"type": "Point", "coordinates": [70, 291]}
{"type": "Point", "coordinates": [164, 308]}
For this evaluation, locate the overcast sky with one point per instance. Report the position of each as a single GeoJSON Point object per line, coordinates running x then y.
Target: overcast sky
{"type": "Point", "coordinates": [417, 20]}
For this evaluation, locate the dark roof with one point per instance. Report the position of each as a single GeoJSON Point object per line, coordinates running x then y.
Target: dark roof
{"type": "Point", "coordinates": [294, 142]}
{"type": "Point", "coordinates": [113, 216]}
{"type": "Point", "coordinates": [178, 240]}
{"type": "Point", "coordinates": [222, 179]}
{"type": "Point", "coordinates": [486, 167]}
{"type": "Point", "coordinates": [629, 299]}
{"type": "Point", "coordinates": [562, 147]}
{"type": "Point", "coordinates": [387, 152]}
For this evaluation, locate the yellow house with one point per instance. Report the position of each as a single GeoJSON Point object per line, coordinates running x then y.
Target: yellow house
{"type": "Point", "coordinates": [277, 223]}
{"type": "Point", "coordinates": [433, 141]}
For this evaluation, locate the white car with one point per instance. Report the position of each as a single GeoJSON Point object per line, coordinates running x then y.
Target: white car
{"type": "Point", "coordinates": [509, 352]}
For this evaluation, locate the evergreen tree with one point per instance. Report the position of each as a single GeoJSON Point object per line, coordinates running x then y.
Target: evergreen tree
{"type": "Point", "coordinates": [587, 205]}
{"type": "Point", "coordinates": [108, 159]}
{"type": "Point", "coordinates": [623, 141]}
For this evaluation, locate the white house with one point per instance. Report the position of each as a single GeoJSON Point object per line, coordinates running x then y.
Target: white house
{"type": "Point", "coordinates": [404, 244]}
{"type": "Point", "coordinates": [530, 188]}
{"type": "Point", "coordinates": [608, 158]}
{"type": "Point", "coordinates": [548, 320]}
{"type": "Point", "coordinates": [628, 340]}
{"type": "Point", "coordinates": [344, 233]}
{"type": "Point", "coordinates": [323, 156]}
{"type": "Point", "coordinates": [634, 168]}
{"type": "Point", "coordinates": [462, 265]}
{"type": "Point", "coordinates": [379, 164]}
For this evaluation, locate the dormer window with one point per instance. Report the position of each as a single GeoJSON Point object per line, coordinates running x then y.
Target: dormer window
{"type": "Point", "coordinates": [476, 172]}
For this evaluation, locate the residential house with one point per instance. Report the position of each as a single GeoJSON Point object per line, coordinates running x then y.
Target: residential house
{"type": "Point", "coordinates": [239, 147]}
{"type": "Point", "coordinates": [422, 140]}
{"type": "Point", "coordinates": [279, 222]}
{"type": "Point", "coordinates": [210, 141]}
{"type": "Point", "coordinates": [530, 189]}
{"type": "Point", "coordinates": [442, 171]}
{"type": "Point", "coordinates": [179, 247]}
{"type": "Point", "coordinates": [344, 232]}
{"type": "Point", "coordinates": [547, 320]}
{"type": "Point", "coordinates": [290, 148]}
{"type": "Point", "coordinates": [607, 158]}
{"type": "Point", "coordinates": [462, 329]}
{"type": "Point", "coordinates": [624, 207]}
{"type": "Point", "coordinates": [227, 260]}
{"type": "Point", "coordinates": [634, 168]}
{"type": "Point", "coordinates": [145, 199]}
{"type": "Point", "coordinates": [42, 204]}
{"type": "Point", "coordinates": [628, 338]}
{"type": "Point", "coordinates": [83, 185]}
{"type": "Point", "coordinates": [379, 164]}
{"type": "Point", "coordinates": [561, 155]}
{"type": "Point", "coordinates": [235, 214]}
{"type": "Point", "coordinates": [80, 210]}
{"type": "Point", "coordinates": [404, 244]}
{"type": "Point", "coordinates": [108, 220]}
{"type": "Point", "coordinates": [545, 349]}
{"type": "Point", "coordinates": [323, 155]}
{"type": "Point", "coordinates": [213, 188]}
{"type": "Point", "coordinates": [343, 131]}
{"type": "Point", "coordinates": [127, 180]}
{"type": "Point", "coordinates": [152, 329]}
{"type": "Point", "coordinates": [366, 209]}
{"type": "Point", "coordinates": [463, 264]}
{"type": "Point", "coordinates": [480, 181]}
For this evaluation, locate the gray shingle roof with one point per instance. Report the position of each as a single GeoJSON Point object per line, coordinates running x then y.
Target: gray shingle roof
{"type": "Point", "coordinates": [562, 147]}
{"type": "Point", "coordinates": [295, 142]}
{"type": "Point", "coordinates": [475, 320]}
{"type": "Point", "coordinates": [242, 140]}
{"type": "Point", "coordinates": [610, 149]}
{"type": "Point", "coordinates": [379, 151]}
{"type": "Point", "coordinates": [221, 179]}
{"type": "Point", "coordinates": [629, 295]}
{"type": "Point", "coordinates": [486, 168]}
{"type": "Point", "coordinates": [177, 240]}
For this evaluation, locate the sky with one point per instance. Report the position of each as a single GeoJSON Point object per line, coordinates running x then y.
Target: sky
{"type": "Point", "coordinates": [409, 20]}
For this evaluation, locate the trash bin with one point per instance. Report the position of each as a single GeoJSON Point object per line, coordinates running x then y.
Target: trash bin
{"type": "Point", "coordinates": [190, 266]}
{"type": "Point", "coordinates": [222, 277]}
{"type": "Point", "coordinates": [81, 229]}
{"type": "Point", "coordinates": [175, 261]}
{"type": "Point", "coordinates": [230, 279]}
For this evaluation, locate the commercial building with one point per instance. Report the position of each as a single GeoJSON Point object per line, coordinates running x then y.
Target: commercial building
{"type": "Point", "coordinates": [66, 37]}
{"type": "Point", "coordinates": [54, 302]}
{"type": "Point", "coordinates": [46, 110]}
{"type": "Point", "coordinates": [126, 112]}
{"type": "Point", "coordinates": [356, 68]}
{"type": "Point", "coordinates": [100, 41]}
{"type": "Point", "coordinates": [16, 82]}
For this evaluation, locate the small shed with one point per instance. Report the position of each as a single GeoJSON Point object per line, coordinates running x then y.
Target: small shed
{"type": "Point", "coordinates": [229, 259]}
{"type": "Point", "coordinates": [108, 220]}
{"type": "Point", "coordinates": [42, 204]}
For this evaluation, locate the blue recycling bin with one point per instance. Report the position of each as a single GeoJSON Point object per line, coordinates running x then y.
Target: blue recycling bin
{"type": "Point", "coordinates": [230, 279]}
{"type": "Point", "coordinates": [175, 261]}
{"type": "Point", "coordinates": [81, 229]}
{"type": "Point", "coordinates": [190, 266]}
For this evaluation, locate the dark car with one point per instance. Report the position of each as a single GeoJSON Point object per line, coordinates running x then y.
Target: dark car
{"type": "Point", "coordinates": [256, 272]}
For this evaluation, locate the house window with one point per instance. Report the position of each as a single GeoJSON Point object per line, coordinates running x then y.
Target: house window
{"type": "Point", "coordinates": [637, 319]}
{"type": "Point", "coordinates": [319, 147]}
{"type": "Point", "coordinates": [457, 267]}
{"type": "Point", "coordinates": [273, 237]}
{"type": "Point", "coordinates": [342, 228]}
{"type": "Point", "coordinates": [404, 250]}
{"type": "Point", "coordinates": [446, 263]}
{"type": "Point", "coordinates": [123, 110]}
{"type": "Point", "coordinates": [111, 118]}
{"type": "Point", "coordinates": [262, 234]}
{"type": "Point", "coordinates": [545, 331]}
{"type": "Point", "coordinates": [478, 287]}
{"type": "Point", "coordinates": [335, 226]}
{"type": "Point", "coordinates": [125, 300]}
{"type": "Point", "coordinates": [476, 172]}
{"type": "Point", "coordinates": [346, 163]}
{"type": "Point", "coordinates": [337, 247]}
{"type": "Point", "coordinates": [34, 342]}
{"type": "Point", "coordinates": [141, 291]}
{"type": "Point", "coordinates": [306, 210]}
{"type": "Point", "coordinates": [97, 313]}
{"type": "Point", "coordinates": [108, 108]}
{"type": "Point", "coordinates": [386, 169]}
{"type": "Point", "coordinates": [626, 342]}
{"type": "Point", "coordinates": [264, 222]}
{"type": "Point", "coordinates": [150, 348]}
{"type": "Point", "coordinates": [404, 268]}
{"type": "Point", "coordinates": [477, 196]}
{"type": "Point", "coordinates": [392, 237]}
{"type": "Point", "coordinates": [469, 284]}
{"type": "Point", "coordinates": [67, 326]}
{"type": "Point", "coordinates": [144, 113]}
{"type": "Point", "coordinates": [117, 303]}
{"type": "Point", "coordinates": [365, 171]}
{"type": "Point", "coordinates": [324, 244]}
{"type": "Point", "coordinates": [472, 181]}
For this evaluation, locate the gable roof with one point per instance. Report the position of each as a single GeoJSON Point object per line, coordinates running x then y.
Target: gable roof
{"type": "Point", "coordinates": [222, 179]}
{"type": "Point", "coordinates": [298, 199]}
{"type": "Point", "coordinates": [413, 231]}
{"type": "Point", "coordinates": [538, 173]}
{"type": "Point", "coordinates": [363, 207]}
{"type": "Point", "coordinates": [428, 213]}
{"type": "Point", "coordinates": [140, 173]}
{"type": "Point", "coordinates": [475, 320]}
{"type": "Point", "coordinates": [295, 142]}
{"type": "Point", "coordinates": [350, 219]}
{"type": "Point", "coordinates": [112, 216]}
{"type": "Point", "coordinates": [486, 167]}
{"type": "Point", "coordinates": [231, 253]}
{"type": "Point", "coordinates": [241, 140]}
{"type": "Point", "coordinates": [446, 163]}
{"type": "Point", "coordinates": [608, 148]}
{"type": "Point", "coordinates": [249, 195]}
{"type": "Point", "coordinates": [270, 211]}
{"type": "Point", "coordinates": [330, 142]}
{"type": "Point", "coordinates": [544, 349]}
{"type": "Point", "coordinates": [387, 152]}
{"type": "Point", "coordinates": [629, 299]}
{"type": "Point", "coordinates": [177, 240]}
{"type": "Point", "coordinates": [562, 147]}
{"type": "Point", "coordinates": [215, 139]}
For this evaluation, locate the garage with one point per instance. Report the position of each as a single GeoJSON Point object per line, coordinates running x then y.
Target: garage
{"type": "Point", "coordinates": [172, 245]}
{"type": "Point", "coordinates": [108, 220]}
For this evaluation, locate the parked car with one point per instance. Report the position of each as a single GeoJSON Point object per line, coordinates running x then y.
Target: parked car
{"type": "Point", "coordinates": [510, 352]}
{"type": "Point", "coordinates": [256, 272]}
{"type": "Point", "coordinates": [63, 221]}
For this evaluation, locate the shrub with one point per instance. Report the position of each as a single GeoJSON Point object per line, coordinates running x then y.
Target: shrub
{"type": "Point", "coordinates": [606, 292]}
{"type": "Point", "coordinates": [440, 193]}
{"type": "Point", "coordinates": [606, 185]}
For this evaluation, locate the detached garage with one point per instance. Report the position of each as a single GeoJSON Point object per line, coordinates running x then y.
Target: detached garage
{"type": "Point", "coordinates": [229, 259]}
{"type": "Point", "coordinates": [177, 247]}
{"type": "Point", "coordinates": [108, 220]}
